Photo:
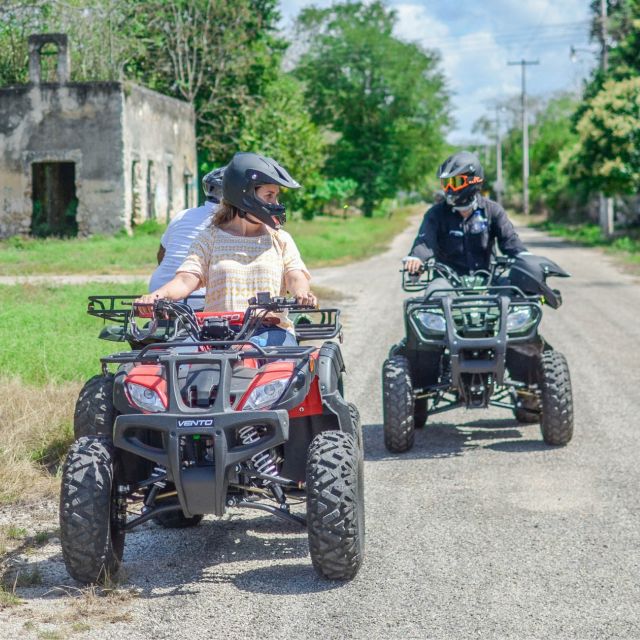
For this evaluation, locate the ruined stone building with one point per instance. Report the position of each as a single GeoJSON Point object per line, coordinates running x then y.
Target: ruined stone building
{"type": "Point", "coordinates": [89, 157]}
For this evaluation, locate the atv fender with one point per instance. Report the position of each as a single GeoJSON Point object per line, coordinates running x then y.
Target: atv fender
{"type": "Point", "coordinates": [330, 370]}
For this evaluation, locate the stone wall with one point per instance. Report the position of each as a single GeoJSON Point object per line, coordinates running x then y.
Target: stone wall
{"type": "Point", "coordinates": [74, 122]}
{"type": "Point", "coordinates": [159, 155]}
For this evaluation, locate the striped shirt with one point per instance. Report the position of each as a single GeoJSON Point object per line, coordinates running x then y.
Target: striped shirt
{"type": "Point", "coordinates": [235, 268]}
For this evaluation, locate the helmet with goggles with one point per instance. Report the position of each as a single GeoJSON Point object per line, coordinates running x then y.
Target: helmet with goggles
{"type": "Point", "coordinates": [243, 175]}
{"type": "Point", "coordinates": [461, 177]}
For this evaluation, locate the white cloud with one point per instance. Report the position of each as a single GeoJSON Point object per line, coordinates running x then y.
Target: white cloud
{"type": "Point", "coordinates": [476, 40]}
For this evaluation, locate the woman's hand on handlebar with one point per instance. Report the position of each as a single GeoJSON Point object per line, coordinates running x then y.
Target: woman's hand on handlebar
{"type": "Point", "coordinates": [143, 306]}
{"type": "Point", "coordinates": [306, 298]}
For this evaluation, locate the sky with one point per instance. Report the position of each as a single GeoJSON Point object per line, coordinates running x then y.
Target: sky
{"type": "Point", "coordinates": [477, 39]}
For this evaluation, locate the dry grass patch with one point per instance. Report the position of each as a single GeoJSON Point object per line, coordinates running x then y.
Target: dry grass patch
{"type": "Point", "coordinates": [35, 432]}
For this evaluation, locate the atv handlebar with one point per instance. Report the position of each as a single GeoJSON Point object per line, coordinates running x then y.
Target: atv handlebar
{"type": "Point", "coordinates": [433, 268]}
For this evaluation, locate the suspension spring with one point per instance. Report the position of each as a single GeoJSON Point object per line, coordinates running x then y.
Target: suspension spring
{"type": "Point", "coordinates": [262, 462]}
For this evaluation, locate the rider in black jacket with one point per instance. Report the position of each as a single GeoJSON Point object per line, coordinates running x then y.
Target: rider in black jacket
{"type": "Point", "coordinates": [462, 230]}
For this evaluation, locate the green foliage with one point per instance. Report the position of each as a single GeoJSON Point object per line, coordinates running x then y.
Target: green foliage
{"type": "Point", "coordinates": [218, 54]}
{"type": "Point", "coordinates": [608, 154]}
{"type": "Point", "coordinates": [334, 193]}
{"type": "Point", "coordinates": [553, 138]}
{"type": "Point", "coordinates": [281, 127]}
{"type": "Point", "coordinates": [384, 99]}
{"type": "Point", "coordinates": [17, 22]}
{"type": "Point", "coordinates": [591, 235]}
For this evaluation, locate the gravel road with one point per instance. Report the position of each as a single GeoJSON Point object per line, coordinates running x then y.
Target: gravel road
{"type": "Point", "coordinates": [481, 531]}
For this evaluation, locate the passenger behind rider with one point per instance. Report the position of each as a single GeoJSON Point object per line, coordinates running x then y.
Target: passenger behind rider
{"type": "Point", "coordinates": [461, 231]}
{"type": "Point", "coordinates": [244, 249]}
{"type": "Point", "coordinates": [182, 231]}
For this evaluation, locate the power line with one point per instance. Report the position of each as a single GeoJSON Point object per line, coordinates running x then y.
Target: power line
{"type": "Point", "coordinates": [564, 27]}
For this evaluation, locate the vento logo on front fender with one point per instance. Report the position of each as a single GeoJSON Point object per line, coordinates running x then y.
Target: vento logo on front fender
{"type": "Point", "coordinates": [200, 422]}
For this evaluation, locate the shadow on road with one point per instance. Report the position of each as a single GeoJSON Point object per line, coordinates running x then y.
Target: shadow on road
{"type": "Point", "coordinates": [445, 440]}
{"type": "Point", "coordinates": [160, 563]}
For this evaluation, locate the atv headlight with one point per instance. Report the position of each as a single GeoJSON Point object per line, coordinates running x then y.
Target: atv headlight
{"type": "Point", "coordinates": [145, 398]}
{"type": "Point", "coordinates": [431, 322]}
{"type": "Point", "coordinates": [519, 319]}
{"type": "Point", "coordinates": [266, 394]}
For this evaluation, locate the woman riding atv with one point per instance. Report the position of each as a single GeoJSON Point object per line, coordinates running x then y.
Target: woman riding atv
{"type": "Point", "coordinates": [245, 250]}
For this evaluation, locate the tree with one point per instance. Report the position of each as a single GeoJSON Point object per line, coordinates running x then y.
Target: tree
{"type": "Point", "coordinates": [280, 126]}
{"type": "Point", "coordinates": [17, 21]}
{"type": "Point", "coordinates": [608, 151]}
{"type": "Point", "coordinates": [220, 55]}
{"type": "Point", "coordinates": [384, 99]}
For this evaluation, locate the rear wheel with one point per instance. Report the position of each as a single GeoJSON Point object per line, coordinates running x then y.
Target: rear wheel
{"type": "Point", "coordinates": [92, 541]}
{"type": "Point", "coordinates": [94, 414]}
{"type": "Point", "coordinates": [556, 421]}
{"type": "Point", "coordinates": [397, 405]}
{"type": "Point", "coordinates": [335, 505]}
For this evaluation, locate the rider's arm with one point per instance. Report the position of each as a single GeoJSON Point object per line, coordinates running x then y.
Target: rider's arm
{"type": "Point", "coordinates": [161, 253]}
{"type": "Point", "coordinates": [504, 231]}
{"type": "Point", "coordinates": [297, 284]}
{"type": "Point", "coordinates": [426, 241]}
{"type": "Point", "coordinates": [180, 287]}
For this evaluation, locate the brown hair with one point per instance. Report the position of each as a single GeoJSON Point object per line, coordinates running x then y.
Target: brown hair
{"type": "Point", "coordinates": [225, 212]}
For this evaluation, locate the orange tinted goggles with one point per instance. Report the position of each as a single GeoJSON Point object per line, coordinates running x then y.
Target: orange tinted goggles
{"type": "Point", "coordinates": [456, 183]}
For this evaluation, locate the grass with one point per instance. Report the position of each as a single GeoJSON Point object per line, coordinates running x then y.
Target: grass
{"type": "Point", "coordinates": [325, 240]}
{"type": "Point", "coordinates": [35, 431]}
{"type": "Point", "coordinates": [8, 598]}
{"type": "Point", "coordinates": [46, 334]}
{"type": "Point", "coordinates": [104, 255]}
{"type": "Point", "coordinates": [329, 241]}
{"type": "Point", "coordinates": [625, 244]}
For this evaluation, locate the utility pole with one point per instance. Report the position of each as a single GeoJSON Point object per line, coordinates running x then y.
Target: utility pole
{"type": "Point", "coordinates": [499, 186]}
{"type": "Point", "coordinates": [606, 204]}
{"type": "Point", "coordinates": [525, 133]}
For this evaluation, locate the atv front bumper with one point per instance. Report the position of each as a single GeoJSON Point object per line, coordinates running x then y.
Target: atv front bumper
{"type": "Point", "coordinates": [200, 488]}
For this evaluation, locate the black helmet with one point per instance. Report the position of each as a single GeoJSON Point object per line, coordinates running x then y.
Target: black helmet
{"type": "Point", "coordinates": [212, 184]}
{"type": "Point", "coordinates": [529, 273]}
{"type": "Point", "coordinates": [243, 174]}
{"type": "Point", "coordinates": [461, 177]}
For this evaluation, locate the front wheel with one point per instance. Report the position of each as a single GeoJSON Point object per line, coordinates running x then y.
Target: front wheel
{"type": "Point", "coordinates": [91, 538]}
{"type": "Point", "coordinates": [95, 414]}
{"type": "Point", "coordinates": [335, 505]}
{"type": "Point", "coordinates": [556, 421]}
{"type": "Point", "coordinates": [397, 405]}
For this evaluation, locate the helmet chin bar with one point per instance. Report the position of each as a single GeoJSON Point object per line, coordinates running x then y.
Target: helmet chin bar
{"type": "Point", "coordinates": [273, 215]}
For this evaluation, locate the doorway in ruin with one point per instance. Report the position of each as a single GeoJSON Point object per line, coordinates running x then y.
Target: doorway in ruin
{"type": "Point", "coordinates": [54, 199]}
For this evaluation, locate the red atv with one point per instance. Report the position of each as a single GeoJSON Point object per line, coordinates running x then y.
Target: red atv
{"type": "Point", "coordinates": [196, 419]}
